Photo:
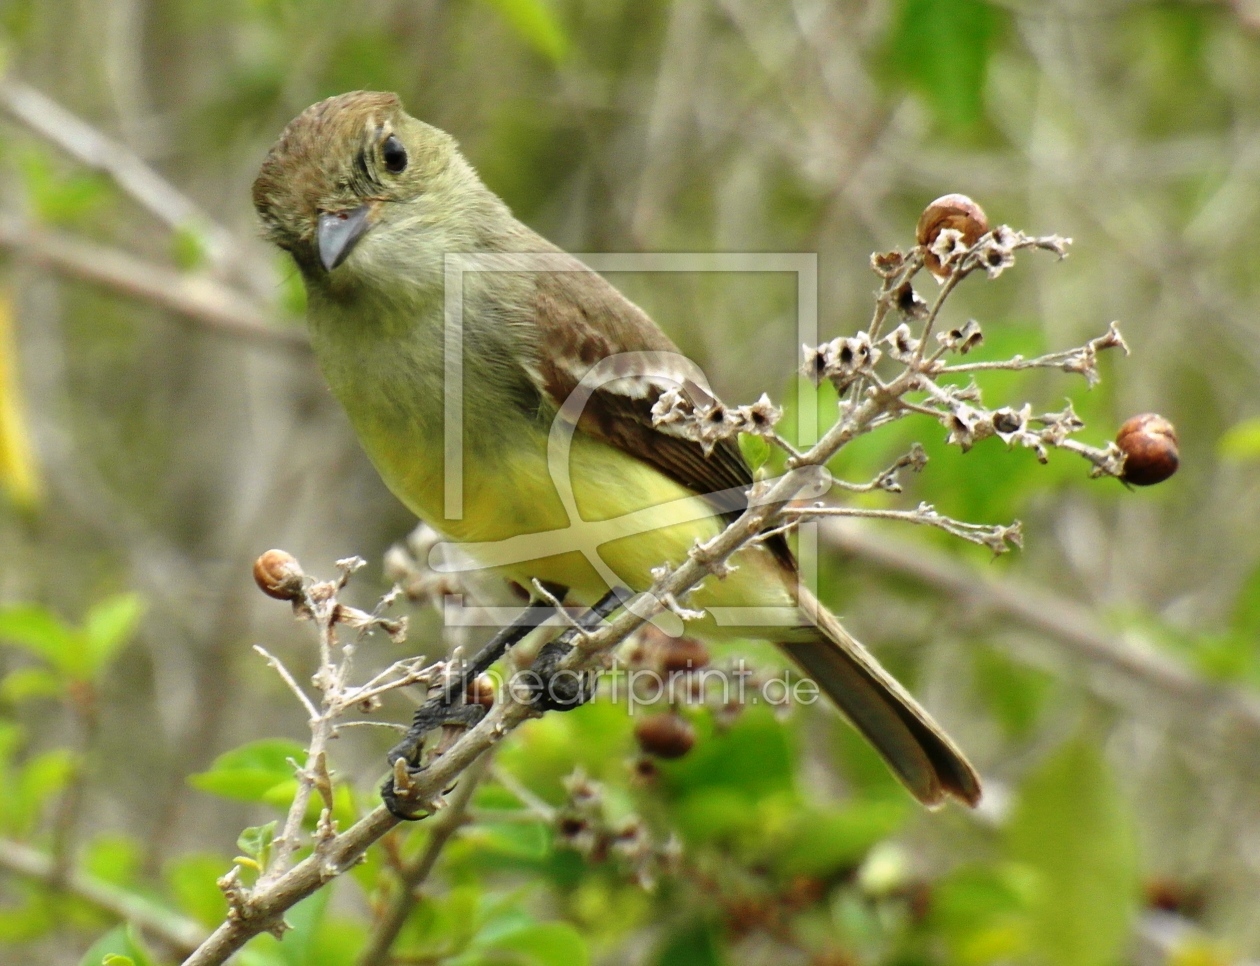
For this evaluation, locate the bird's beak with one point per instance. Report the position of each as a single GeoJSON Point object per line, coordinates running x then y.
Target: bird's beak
{"type": "Point", "coordinates": [339, 232]}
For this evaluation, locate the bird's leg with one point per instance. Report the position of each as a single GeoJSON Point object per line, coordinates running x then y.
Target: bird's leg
{"type": "Point", "coordinates": [563, 690]}
{"type": "Point", "coordinates": [449, 708]}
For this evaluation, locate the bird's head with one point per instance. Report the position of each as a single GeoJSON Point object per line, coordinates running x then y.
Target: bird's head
{"type": "Point", "coordinates": [348, 173]}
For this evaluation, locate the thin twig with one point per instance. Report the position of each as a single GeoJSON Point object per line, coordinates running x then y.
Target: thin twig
{"type": "Point", "coordinates": [158, 196]}
{"type": "Point", "coordinates": [198, 298]}
{"type": "Point", "coordinates": [288, 679]}
{"type": "Point", "coordinates": [997, 537]}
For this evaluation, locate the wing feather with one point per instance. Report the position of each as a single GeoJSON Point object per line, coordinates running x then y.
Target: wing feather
{"type": "Point", "coordinates": [583, 320]}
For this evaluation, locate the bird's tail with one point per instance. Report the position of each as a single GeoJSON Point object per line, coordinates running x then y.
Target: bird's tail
{"type": "Point", "coordinates": [918, 751]}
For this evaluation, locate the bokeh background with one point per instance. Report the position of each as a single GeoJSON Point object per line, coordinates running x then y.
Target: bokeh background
{"type": "Point", "coordinates": [161, 424]}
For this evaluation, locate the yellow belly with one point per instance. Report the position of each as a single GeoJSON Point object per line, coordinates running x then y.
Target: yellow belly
{"type": "Point", "coordinates": [624, 518]}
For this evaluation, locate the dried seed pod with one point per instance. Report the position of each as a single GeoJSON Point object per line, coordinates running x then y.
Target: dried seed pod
{"type": "Point", "coordinates": [1149, 444]}
{"type": "Point", "coordinates": [480, 691]}
{"type": "Point", "coordinates": [956, 213]}
{"type": "Point", "coordinates": [666, 735]}
{"type": "Point", "coordinates": [682, 654]}
{"type": "Point", "coordinates": [279, 575]}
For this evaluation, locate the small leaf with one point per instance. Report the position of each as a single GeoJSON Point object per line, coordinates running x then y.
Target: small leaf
{"type": "Point", "coordinates": [108, 625]}
{"type": "Point", "coordinates": [250, 772]}
{"type": "Point", "coordinates": [117, 947]}
{"type": "Point", "coordinates": [756, 449]}
{"type": "Point", "coordinates": [256, 842]}
{"type": "Point", "coordinates": [38, 631]}
{"type": "Point", "coordinates": [31, 682]}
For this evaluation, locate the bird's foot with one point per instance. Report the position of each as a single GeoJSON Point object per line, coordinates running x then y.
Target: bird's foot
{"type": "Point", "coordinates": [557, 688]}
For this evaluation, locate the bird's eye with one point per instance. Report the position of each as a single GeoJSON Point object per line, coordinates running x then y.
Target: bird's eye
{"type": "Point", "coordinates": [394, 155]}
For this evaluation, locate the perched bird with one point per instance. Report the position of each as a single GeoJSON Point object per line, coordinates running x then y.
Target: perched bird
{"type": "Point", "coordinates": [369, 201]}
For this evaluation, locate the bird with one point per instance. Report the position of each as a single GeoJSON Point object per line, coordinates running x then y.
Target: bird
{"type": "Point", "coordinates": [371, 202]}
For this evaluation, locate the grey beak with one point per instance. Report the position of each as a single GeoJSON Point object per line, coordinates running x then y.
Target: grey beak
{"type": "Point", "coordinates": [339, 232]}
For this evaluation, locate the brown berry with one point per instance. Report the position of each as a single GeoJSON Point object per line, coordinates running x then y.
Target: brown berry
{"type": "Point", "coordinates": [666, 735]}
{"type": "Point", "coordinates": [682, 654]}
{"type": "Point", "coordinates": [949, 211]}
{"type": "Point", "coordinates": [279, 575]}
{"type": "Point", "coordinates": [1149, 444]}
{"type": "Point", "coordinates": [480, 691]}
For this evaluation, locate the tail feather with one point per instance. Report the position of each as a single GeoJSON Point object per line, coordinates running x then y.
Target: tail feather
{"type": "Point", "coordinates": [915, 747]}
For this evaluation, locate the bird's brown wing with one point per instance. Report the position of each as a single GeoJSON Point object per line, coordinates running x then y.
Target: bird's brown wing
{"type": "Point", "coordinates": [584, 322]}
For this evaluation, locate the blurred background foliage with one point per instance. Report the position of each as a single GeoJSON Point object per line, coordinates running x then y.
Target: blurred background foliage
{"type": "Point", "coordinates": [1104, 680]}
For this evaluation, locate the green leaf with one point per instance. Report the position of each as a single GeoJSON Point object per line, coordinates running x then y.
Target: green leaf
{"type": "Point", "coordinates": [117, 947]}
{"type": "Point", "coordinates": [27, 683]}
{"type": "Point", "coordinates": [256, 842]}
{"type": "Point", "coordinates": [942, 48]}
{"type": "Point", "coordinates": [42, 777]}
{"type": "Point", "coordinates": [539, 944]}
{"type": "Point", "coordinates": [1241, 441]}
{"type": "Point", "coordinates": [1072, 828]}
{"type": "Point", "coordinates": [756, 449]}
{"type": "Point", "coordinates": [108, 625]}
{"type": "Point", "coordinates": [536, 24]}
{"type": "Point", "coordinates": [113, 943]}
{"type": "Point", "coordinates": [250, 772]}
{"type": "Point", "coordinates": [38, 631]}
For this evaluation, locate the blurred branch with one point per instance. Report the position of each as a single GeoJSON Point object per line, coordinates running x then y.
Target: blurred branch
{"type": "Point", "coordinates": [181, 934]}
{"type": "Point", "coordinates": [198, 298]}
{"type": "Point", "coordinates": [130, 172]}
{"type": "Point", "coordinates": [394, 917]}
{"type": "Point", "coordinates": [1062, 620]}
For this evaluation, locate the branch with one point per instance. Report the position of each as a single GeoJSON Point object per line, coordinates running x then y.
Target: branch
{"type": "Point", "coordinates": [178, 932]}
{"type": "Point", "coordinates": [197, 298]}
{"type": "Point", "coordinates": [153, 192]}
{"type": "Point", "coordinates": [997, 537]}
